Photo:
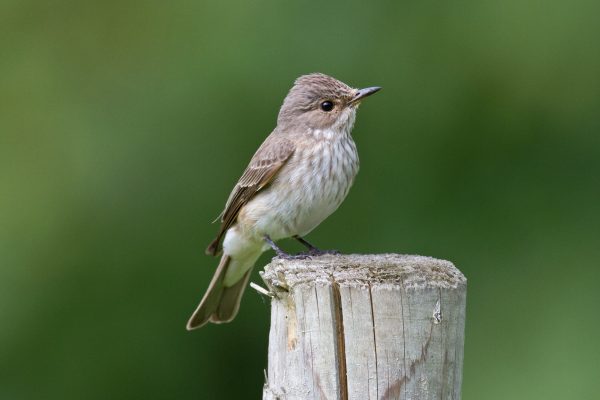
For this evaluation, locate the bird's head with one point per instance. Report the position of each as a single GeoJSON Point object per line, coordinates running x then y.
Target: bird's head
{"type": "Point", "coordinates": [320, 102]}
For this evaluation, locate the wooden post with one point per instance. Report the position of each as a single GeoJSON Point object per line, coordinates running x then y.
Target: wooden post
{"type": "Point", "coordinates": [365, 327]}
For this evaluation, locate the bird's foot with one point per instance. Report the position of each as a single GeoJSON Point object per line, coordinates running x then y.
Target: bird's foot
{"type": "Point", "coordinates": [282, 254]}
{"type": "Point", "coordinates": [314, 251]}
{"type": "Point", "coordinates": [311, 252]}
{"type": "Point", "coordinates": [299, 256]}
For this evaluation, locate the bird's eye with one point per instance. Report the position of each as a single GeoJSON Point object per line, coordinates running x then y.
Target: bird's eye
{"type": "Point", "coordinates": [327, 106]}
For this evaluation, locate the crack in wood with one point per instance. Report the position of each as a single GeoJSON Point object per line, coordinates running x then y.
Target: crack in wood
{"type": "Point", "coordinates": [394, 390]}
{"type": "Point", "coordinates": [340, 340]}
{"type": "Point", "coordinates": [403, 379]}
{"type": "Point", "coordinates": [374, 339]}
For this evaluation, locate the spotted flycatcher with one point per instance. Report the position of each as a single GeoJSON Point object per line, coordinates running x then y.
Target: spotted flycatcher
{"type": "Point", "coordinates": [299, 176]}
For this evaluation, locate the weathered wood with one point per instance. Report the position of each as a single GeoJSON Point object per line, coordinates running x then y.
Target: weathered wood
{"type": "Point", "coordinates": [365, 327]}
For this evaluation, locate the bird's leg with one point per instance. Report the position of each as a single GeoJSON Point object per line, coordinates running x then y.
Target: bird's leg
{"type": "Point", "coordinates": [282, 254]}
{"type": "Point", "coordinates": [312, 250]}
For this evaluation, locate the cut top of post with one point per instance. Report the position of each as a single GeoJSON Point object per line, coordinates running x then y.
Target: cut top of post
{"type": "Point", "coordinates": [356, 270]}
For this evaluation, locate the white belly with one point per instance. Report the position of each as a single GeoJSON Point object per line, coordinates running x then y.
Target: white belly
{"type": "Point", "coordinates": [305, 192]}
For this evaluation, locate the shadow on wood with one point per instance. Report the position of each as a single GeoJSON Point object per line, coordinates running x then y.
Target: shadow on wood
{"type": "Point", "coordinates": [365, 327]}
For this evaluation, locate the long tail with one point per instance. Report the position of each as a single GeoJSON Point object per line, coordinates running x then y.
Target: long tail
{"type": "Point", "coordinates": [220, 304]}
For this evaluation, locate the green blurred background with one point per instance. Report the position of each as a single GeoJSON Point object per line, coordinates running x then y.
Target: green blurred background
{"type": "Point", "coordinates": [124, 125]}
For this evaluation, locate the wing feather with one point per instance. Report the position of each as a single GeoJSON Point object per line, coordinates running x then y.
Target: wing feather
{"type": "Point", "coordinates": [263, 167]}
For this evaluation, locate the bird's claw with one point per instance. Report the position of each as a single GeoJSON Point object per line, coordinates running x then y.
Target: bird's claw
{"type": "Point", "coordinates": [300, 256]}
{"type": "Point", "coordinates": [314, 252]}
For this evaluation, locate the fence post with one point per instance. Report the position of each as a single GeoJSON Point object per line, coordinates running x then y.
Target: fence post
{"type": "Point", "coordinates": [363, 327]}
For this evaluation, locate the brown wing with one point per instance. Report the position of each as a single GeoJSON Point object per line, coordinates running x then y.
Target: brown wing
{"type": "Point", "coordinates": [263, 167]}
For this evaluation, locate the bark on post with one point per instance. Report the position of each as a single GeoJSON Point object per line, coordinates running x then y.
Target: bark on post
{"type": "Point", "coordinates": [365, 327]}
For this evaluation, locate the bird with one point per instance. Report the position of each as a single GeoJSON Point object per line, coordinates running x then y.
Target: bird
{"type": "Point", "coordinates": [299, 176]}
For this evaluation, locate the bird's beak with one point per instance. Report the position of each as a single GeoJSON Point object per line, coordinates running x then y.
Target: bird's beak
{"type": "Point", "coordinates": [362, 93]}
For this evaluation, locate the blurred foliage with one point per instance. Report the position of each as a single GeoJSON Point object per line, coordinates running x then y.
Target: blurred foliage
{"type": "Point", "coordinates": [124, 124]}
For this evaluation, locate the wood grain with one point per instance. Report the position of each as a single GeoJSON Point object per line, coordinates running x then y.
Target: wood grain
{"type": "Point", "coordinates": [365, 327]}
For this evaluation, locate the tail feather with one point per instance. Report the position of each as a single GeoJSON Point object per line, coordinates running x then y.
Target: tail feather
{"type": "Point", "coordinates": [221, 303]}
{"type": "Point", "coordinates": [229, 304]}
{"type": "Point", "coordinates": [210, 302]}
